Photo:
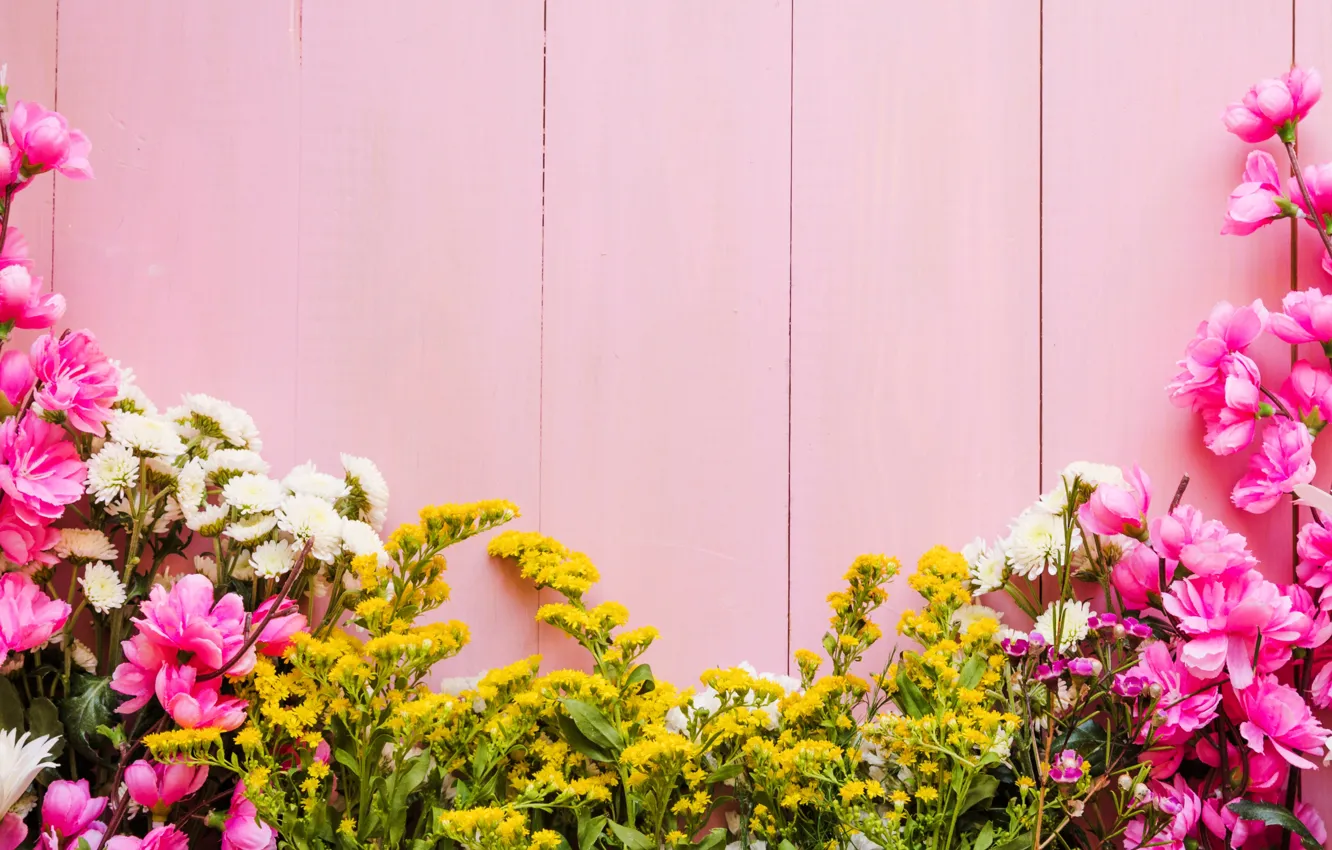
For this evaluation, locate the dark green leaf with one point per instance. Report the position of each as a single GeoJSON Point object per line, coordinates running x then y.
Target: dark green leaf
{"type": "Point", "coordinates": [641, 673]}
{"type": "Point", "coordinates": [86, 710]}
{"type": "Point", "coordinates": [589, 830]}
{"type": "Point", "coordinates": [594, 725]}
{"type": "Point", "coordinates": [11, 707]}
{"type": "Point", "coordinates": [1022, 842]}
{"type": "Point", "coordinates": [44, 719]}
{"type": "Point", "coordinates": [402, 785]}
{"type": "Point", "coordinates": [981, 791]}
{"type": "Point", "coordinates": [713, 840]}
{"type": "Point", "coordinates": [348, 761]}
{"type": "Point", "coordinates": [909, 697]}
{"type": "Point", "coordinates": [579, 741]}
{"type": "Point", "coordinates": [631, 838]}
{"type": "Point", "coordinates": [1274, 815]}
{"type": "Point", "coordinates": [730, 770]}
{"type": "Point", "coordinates": [972, 672]}
{"type": "Point", "coordinates": [985, 838]}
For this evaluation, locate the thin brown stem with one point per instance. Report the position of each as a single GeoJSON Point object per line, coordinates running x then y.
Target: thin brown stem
{"type": "Point", "coordinates": [1179, 492]}
{"type": "Point", "coordinates": [1277, 402]}
{"type": "Point", "coordinates": [1308, 198]}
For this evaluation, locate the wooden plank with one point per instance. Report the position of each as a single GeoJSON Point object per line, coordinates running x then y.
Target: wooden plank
{"type": "Point", "coordinates": [915, 389]}
{"type": "Point", "coordinates": [28, 48]}
{"type": "Point", "coordinates": [420, 269]}
{"type": "Point", "coordinates": [1137, 168]}
{"type": "Point", "coordinates": [666, 317]}
{"type": "Point", "coordinates": [181, 255]}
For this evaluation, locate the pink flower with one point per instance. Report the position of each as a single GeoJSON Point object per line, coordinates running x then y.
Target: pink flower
{"type": "Point", "coordinates": [1231, 423]}
{"type": "Point", "coordinates": [1278, 715]}
{"type": "Point", "coordinates": [194, 704]}
{"type": "Point", "coordinates": [136, 676]}
{"type": "Point", "coordinates": [1254, 202]}
{"type": "Point", "coordinates": [16, 376]}
{"type": "Point", "coordinates": [1274, 106]}
{"type": "Point", "coordinates": [1284, 461]}
{"type": "Point", "coordinates": [1113, 510]}
{"type": "Point", "coordinates": [1137, 575]}
{"type": "Point", "coordinates": [1184, 808]}
{"type": "Point", "coordinates": [69, 807]}
{"type": "Point", "coordinates": [1186, 704]}
{"type": "Point", "coordinates": [1309, 391]}
{"type": "Point", "coordinates": [22, 302]}
{"type": "Point", "coordinates": [40, 468]}
{"type": "Point", "coordinates": [243, 829]}
{"type": "Point", "coordinates": [276, 636]}
{"type": "Point", "coordinates": [1204, 547]}
{"type": "Point", "coordinates": [185, 619]}
{"type": "Point", "coordinates": [28, 617]}
{"type": "Point", "coordinates": [158, 787]}
{"type": "Point", "coordinates": [1254, 834]}
{"type": "Point", "coordinates": [12, 831]}
{"type": "Point", "coordinates": [1317, 625]}
{"type": "Point", "coordinates": [23, 541]}
{"type": "Point", "coordinates": [1266, 771]}
{"type": "Point", "coordinates": [161, 838]}
{"type": "Point", "coordinates": [1223, 337]}
{"type": "Point", "coordinates": [77, 379]}
{"type": "Point", "coordinates": [46, 142]}
{"type": "Point", "coordinates": [1321, 689]}
{"type": "Point", "coordinates": [1067, 767]}
{"type": "Point", "coordinates": [15, 250]}
{"type": "Point", "coordinates": [1306, 316]}
{"type": "Point", "coordinates": [1314, 546]}
{"type": "Point", "coordinates": [9, 165]}
{"type": "Point", "coordinates": [1226, 615]}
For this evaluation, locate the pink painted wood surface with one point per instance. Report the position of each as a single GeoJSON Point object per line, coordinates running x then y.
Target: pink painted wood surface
{"type": "Point", "coordinates": [28, 47]}
{"type": "Point", "coordinates": [1137, 167]}
{"type": "Point", "coordinates": [420, 270]}
{"type": "Point", "coordinates": [664, 416]}
{"type": "Point", "coordinates": [916, 249]}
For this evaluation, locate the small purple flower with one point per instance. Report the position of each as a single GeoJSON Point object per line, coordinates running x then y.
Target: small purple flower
{"type": "Point", "coordinates": [1016, 647]}
{"type": "Point", "coordinates": [1053, 670]}
{"type": "Point", "coordinates": [1128, 685]}
{"type": "Point", "coordinates": [1038, 641]}
{"type": "Point", "coordinates": [1103, 622]}
{"type": "Point", "coordinates": [1067, 767]}
{"type": "Point", "coordinates": [1085, 667]}
{"type": "Point", "coordinates": [1137, 629]}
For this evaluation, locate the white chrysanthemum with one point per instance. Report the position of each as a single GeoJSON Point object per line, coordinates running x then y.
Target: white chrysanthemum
{"type": "Point", "coordinates": [272, 559]}
{"type": "Point", "coordinates": [216, 420]}
{"type": "Point", "coordinates": [251, 528]}
{"type": "Point", "coordinates": [254, 494]}
{"type": "Point", "coordinates": [85, 544]}
{"type": "Point", "coordinates": [360, 539]}
{"type": "Point", "coordinates": [113, 470]}
{"type": "Point", "coordinates": [1035, 542]}
{"type": "Point", "coordinates": [308, 517]}
{"type": "Point", "coordinates": [23, 759]}
{"type": "Point", "coordinates": [965, 616]}
{"type": "Point", "coordinates": [205, 566]}
{"type": "Point", "coordinates": [362, 474]}
{"type": "Point", "coordinates": [102, 588]}
{"type": "Point", "coordinates": [128, 392]}
{"type": "Point", "coordinates": [191, 487]}
{"type": "Point", "coordinates": [208, 520]}
{"type": "Point", "coordinates": [320, 585]}
{"type": "Point", "coordinates": [235, 462]}
{"type": "Point", "coordinates": [1003, 743]}
{"type": "Point", "coordinates": [84, 657]}
{"type": "Point", "coordinates": [988, 568]}
{"type": "Point", "coordinates": [305, 480]}
{"type": "Point", "coordinates": [1091, 474]}
{"type": "Point", "coordinates": [146, 435]}
{"type": "Point", "coordinates": [1072, 619]}
{"type": "Point", "coordinates": [455, 685]}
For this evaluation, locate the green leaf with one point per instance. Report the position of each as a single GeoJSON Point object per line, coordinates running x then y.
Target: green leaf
{"type": "Point", "coordinates": [579, 741]}
{"type": "Point", "coordinates": [11, 707]}
{"type": "Point", "coordinates": [44, 719]}
{"type": "Point", "coordinates": [1088, 739]}
{"type": "Point", "coordinates": [348, 761]}
{"type": "Point", "coordinates": [1022, 842]}
{"type": "Point", "coordinates": [985, 838]}
{"type": "Point", "coordinates": [972, 672]}
{"type": "Point", "coordinates": [786, 845]}
{"type": "Point", "coordinates": [909, 697]}
{"type": "Point", "coordinates": [714, 839]}
{"type": "Point", "coordinates": [981, 791]}
{"type": "Point", "coordinates": [401, 786]}
{"type": "Point", "coordinates": [730, 770]}
{"type": "Point", "coordinates": [1274, 815]}
{"type": "Point", "coordinates": [594, 725]}
{"type": "Point", "coordinates": [641, 673]}
{"type": "Point", "coordinates": [631, 838]}
{"type": "Point", "coordinates": [86, 710]}
{"type": "Point", "coordinates": [114, 734]}
{"type": "Point", "coordinates": [589, 830]}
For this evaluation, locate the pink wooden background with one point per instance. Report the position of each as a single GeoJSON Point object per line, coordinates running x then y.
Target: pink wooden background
{"type": "Point", "coordinates": [721, 293]}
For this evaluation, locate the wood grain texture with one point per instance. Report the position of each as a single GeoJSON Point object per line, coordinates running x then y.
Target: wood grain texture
{"type": "Point", "coordinates": [1137, 167]}
{"type": "Point", "coordinates": [664, 442]}
{"type": "Point", "coordinates": [28, 48]}
{"type": "Point", "coordinates": [420, 270]}
{"type": "Point", "coordinates": [915, 388]}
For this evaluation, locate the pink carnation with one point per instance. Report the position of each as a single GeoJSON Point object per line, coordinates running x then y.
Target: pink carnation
{"type": "Point", "coordinates": [23, 304]}
{"type": "Point", "coordinates": [69, 808]}
{"type": "Point", "coordinates": [185, 619]}
{"type": "Point", "coordinates": [1257, 199]}
{"type": "Point", "coordinates": [1306, 316]}
{"type": "Point", "coordinates": [1274, 106]}
{"type": "Point", "coordinates": [28, 617]}
{"type": "Point", "coordinates": [40, 469]}
{"type": "Point", "coordinates": [1308, 390]}
{"type": "Point", "coordinates": [1184, 808]}
{"type": "Point", "coordinates": [158, 787]}
{"type": "Point", "coordinates": [77, 379]}
{"type": "Point", "coordinates": [161, 838]}
{"type": "Point", "coordinates": [1230, 425]}
{"type": "Point", "coordinates": [1186, 703]}
{"type": "Point", "coordinates": [194, 704]}
{"type": "Point", "coordinates": [1266, 771]}
{"type": "Point", "coordinates": [1137, 575]}
{"type": "Point", "coordinates": [24, 542]}
{"type": "Point", "coordinates": [1279, 716]}
{"type": "Point", "coordinates": [243, 829]}
{"type": "Point", "coordinates": [1284, 461]}
{"type": "Point", "coordinates": [46, 142]}
{"type": "Point", "coordinates": [1113, 510]}
{"type": "Point", "coordinates": [136, 676]}
{"type": "Point", "coordinates": [276, 636]}
{"type": "Point", "coordinates": [1219, 345]}
{"type": "Point", "coordinates": [1204, 547]}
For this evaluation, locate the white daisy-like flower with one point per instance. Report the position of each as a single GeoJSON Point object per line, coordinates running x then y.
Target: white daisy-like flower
{"type": "Point", "coordinates": [253, 494]}
{"type": "Point", "coordinates": [1035, 542]}
{"type": "Point", "coordinates": [272, 559]}
{"type": "Point", "coordinates": [84, 657]}
{"type": "Point", "coordinates": [251, 529]}
{"type": "Point", "coordinates": [112, 471]}
{"type": "Point", "coordinates": [191, 486]}
{"type": "Point", "coordinates": [128, 392]}
{"type": "Point", "coordinates": [1072, 618]}
{"type": "Point", "coordinates": [216, 420]}
{"type": "Point", "coordinates": [360, 539]}
{"type": "Point", "coordinates": [989, 570]}
{"type": "Point", "coordinates": [1091, 474]}
{"type": "Point", "coordinates": [965, 616]}
{"type": "Point", "coordinates": [23, 759]}
{"type": "Point", "coordinates": [1003, 743]}
{"type": "Point", "coordinates": [85, 544]}
{"type": "Point", "coordinates": [146, 435]}
{"type": "Point", "coordinates": [305, 480]}
{"type": "Point", "coordinates": [363, 475]}
{"type": "Point", "coordinates": [208, 520]}
{"type": "Point", "coordinates": [235, 462]}
{"type": "Point", "coordinates": [308, 517]}
{"type": "Point", "coordinates": [205, 566]}
{"type": "Point", "coordinates": [102, 588]}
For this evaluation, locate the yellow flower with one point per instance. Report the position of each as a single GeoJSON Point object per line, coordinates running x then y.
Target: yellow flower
{"type": "Point", "coordinates": [927, 795]}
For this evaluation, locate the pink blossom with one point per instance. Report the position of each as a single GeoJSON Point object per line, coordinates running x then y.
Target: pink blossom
{"type": "Point", "coordinates": [1230, 425]}
{"type": "Point", "coordinates": [158, 787]}
{"type": "Point", "coordinates": [243, 829]}
{"type": "Point", "coordinates": [1067, 767]}
{"type": "Point", "coordinates": [1274, 106]}
{"type": "Point", "coordinates": [136, 676]}
{"type": "Point", "coordinates": [1317, 625]}
{"type": "Point", "coordinates": [1186, 704]}
{"type": "Point", "coordinates": [1226, 615]}
{"type": "Point", "coordinates": [1314, 547]}
{"type": "Point", "coordinates": [23, 304]}
{"type": "Point", "coordinates": [28, 617]}
{"type": "Point", "coordinates": [1220, 339]}
{"type": "Point", "coordinates": [186, 619]}
{"type": "Point", "coordinates": [1278, 715]}
{"type": "Point", "coordinates": [16, 376]}
{"type": "Point", "coordinates": [1204, 547]}
{"type": "Point", "coordinates": [40, 470]}
{"type": "Point", "coordinates": [24, 541]}
{"type": "Point", "coordinates": [1321, 689]}
{"type": "Point", "coordinates": [1137, 575]}
{"type": "Point", "coordinates": [76, 379]}
{"type": "Point", "coordinates": [1113, 510]}
{"type": "Point", "coordinates": [15, 250]}
{"type": "Point", "coordinates": [194, 704]}
{"type": "Point", "coordinates": [1184, 808]}
{"type": "Point", "coordinates": [1255, 201]}
{"type": "Point", "coordinates": [161, 838]}
{"type": "Point", "coordinates": [1266, 771]}
{"type": "Point", "coordinates": [46, 142]}
{"type": "Point", "coordinates": [276, 636]}
{"type": "Point", "coordinates": [12, 831]}
{"type": "Point", "coordinates": [69, 807]}
{"type": "Point", "coordinates": [1306, 316]}
{"type": "Point", "coordinates": [10, 159]}
{"type": "Point", "coordinates": [1284, 461]}
{"type": "Point", "coordinates": [1309, 390]}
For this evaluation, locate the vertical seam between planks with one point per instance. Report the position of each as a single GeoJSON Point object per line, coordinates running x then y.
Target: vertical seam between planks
{"type": "Point", "coordinates": [541, 333]}
{"type": "Point", "coordinates": [55, 105]}
{"type": "Point", "coordinates": [300, 206]}
{"type": "Point", "coordinates": [1294, 284]}
{"type": "Point", "coordinates": [790, 314]}
{"type": "Point", "coordinates": [1040, 248]}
